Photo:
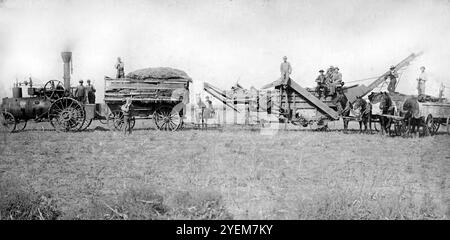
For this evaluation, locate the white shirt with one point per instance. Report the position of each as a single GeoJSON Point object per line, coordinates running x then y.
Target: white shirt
{"type": "Point", "coordinates": [423, 77]}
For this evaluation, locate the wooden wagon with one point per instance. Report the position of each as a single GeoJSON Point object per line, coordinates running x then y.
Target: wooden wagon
{"type": "Point", "coordinates": [159, 99]}
{"type": "Point", "coordinates": [435, 114]}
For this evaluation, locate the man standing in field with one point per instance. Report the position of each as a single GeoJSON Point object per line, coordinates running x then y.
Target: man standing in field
{"type": "Point", "coordinates": [286, 70]}
{"type": "Point", "coordinates": [421, 81]}
{"type": "Point", "coordinates": [80, 92]}
{"type": "Point", "coordinates": [127, 112]}
{"type": "Point", "coordinates": [393, 75]}
{"type": "Point", "coordinates": [90, 91]}
{"type": "Point", "coordinates": [120, 68]}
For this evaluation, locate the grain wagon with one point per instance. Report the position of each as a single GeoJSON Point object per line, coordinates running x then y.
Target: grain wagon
{"type": "Point", "coordinates": [160, 96]}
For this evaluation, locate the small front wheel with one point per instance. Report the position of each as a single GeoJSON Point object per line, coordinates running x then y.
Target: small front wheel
{"type": "Point", "coordinates": [115, 121]}
{"type": "Point", "coordinates": [167, 118]}
{"type": "Point", "coordinates": [8, 122]}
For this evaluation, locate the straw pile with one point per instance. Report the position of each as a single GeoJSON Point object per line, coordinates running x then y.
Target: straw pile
{"type": "Point", "coordinates": [161, 83]}
{"type": "Point", "coordinates": [157, 73]}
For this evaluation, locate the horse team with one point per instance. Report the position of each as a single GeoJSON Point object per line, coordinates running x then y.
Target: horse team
{"type": "Point", "coordinates": [380, 108]}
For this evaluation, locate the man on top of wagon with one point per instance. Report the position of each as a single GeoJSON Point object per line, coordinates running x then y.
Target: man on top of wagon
{"type": "Point", "coordinates": [421, 81]}
{"type": "Point", "coordinates": [286, 70]}
{"type": "Point", "coordinates": [393, 75]}
{"type": "Point", "coordinates": [120, 68]}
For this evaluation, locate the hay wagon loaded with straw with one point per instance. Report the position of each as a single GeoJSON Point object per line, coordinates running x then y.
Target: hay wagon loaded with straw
{"type": "Point", "coordinates": [157, 93]}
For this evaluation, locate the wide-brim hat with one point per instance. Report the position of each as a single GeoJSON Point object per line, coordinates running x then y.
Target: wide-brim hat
{"type": "Point", "coordinates": [321, 70]}
{"type": "Point", "coordinates": [392, 67]}
{"type": "Point", "coordinates": [81, 81]}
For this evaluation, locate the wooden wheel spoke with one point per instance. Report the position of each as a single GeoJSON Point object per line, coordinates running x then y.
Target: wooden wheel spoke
{"type": "Point", "coordinates": [172, 125]}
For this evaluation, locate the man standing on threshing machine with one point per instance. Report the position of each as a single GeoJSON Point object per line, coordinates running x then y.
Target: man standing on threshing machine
{"type": "Point", "coordinates": [90, 92]}
{"type": "Point", "coordinates": [286, 70]}
{"type": "Point", "coordinates": [321, 81]}
{"type": "Point", "coordinates": [337, 78]}
{"type": "Point", "coordinates": [80, 92]}
{"type": "Point", "coordinates": [329, 73]}
{"type": "Point", "coordinates": [120, 68]}
{"type": "Point", "coordinates": [127, 112]}
{"type": "Point", "coordinates": [393, 75]}
{"type": "Point", "coordinates": [421, 81]}
{"type": "Point", "coordinates": [329, 80]}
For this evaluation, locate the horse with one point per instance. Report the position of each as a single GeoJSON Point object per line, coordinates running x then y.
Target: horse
{"type": "Point", "coordinates": [362, 111]}
{"type": "Point", "coordinates": [343, 106]}
{"type": "Point", "coordinates": [412, 116]}
{"type": "Point", "coordinates": [386, 107]}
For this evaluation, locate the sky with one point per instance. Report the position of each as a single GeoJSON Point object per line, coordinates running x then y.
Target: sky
{"type": "Point", "coordinates": [223, 42]}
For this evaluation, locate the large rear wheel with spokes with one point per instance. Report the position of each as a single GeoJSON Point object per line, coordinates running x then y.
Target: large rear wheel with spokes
{"type": "Point", "coordinates": [67, 114]}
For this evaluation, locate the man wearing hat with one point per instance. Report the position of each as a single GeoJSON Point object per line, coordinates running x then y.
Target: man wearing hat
{"type": "Point", "coordinates": [330, 71]}
{"type": "Point", "coordinates": [321, 81]}
{"type": "Point", "coordinates": [80, 92]}
{"type": "Point", "coordinates": [286, 70]}
{"type": "Point", "coordinates": [120, 68]}
{"type": "Point", "coordinates": [336, 78]}
{"type": "Point", "coordinates": [421, 81]}
{"type": "Point", "coordinates": [393, 75]}
{"type": "Point", "coordinates": [90, 92]}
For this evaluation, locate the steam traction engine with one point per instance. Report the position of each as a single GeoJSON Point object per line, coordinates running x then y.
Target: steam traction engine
{"type": "Point", "coordinates": [52, 102]}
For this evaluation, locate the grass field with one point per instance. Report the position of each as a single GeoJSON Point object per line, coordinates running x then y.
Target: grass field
{"type": "Point", "coordinates": [231, 173]}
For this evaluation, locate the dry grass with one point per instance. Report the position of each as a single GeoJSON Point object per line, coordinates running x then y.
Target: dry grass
{"type": "Point", "coordinates": [20, 203]}
{"type": "Point", "coordinates": [234, 174]}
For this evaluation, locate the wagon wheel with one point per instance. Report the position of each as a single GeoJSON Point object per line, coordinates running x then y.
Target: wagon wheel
{"type": "Point", "coordinates": [167, 118]}
{"type": "Point", "coordinates": [432, 125]}
{"type": "Point", "coordinates": [436, 126]}
{"type": "Point", "coordinates": [115, 120]}
{"type": "Point", "coordinates": [110, 119]}
{"type": "Point", "coordinates": [86, 124]}
{"type": "Point", "coordinates": [8, 122]}
{"type": "Point", "coordinates": [54, 89]}
{"type": "Point", "coordinates": [67, 114]}
{"type": "Point", "coordinates": [20, 125]}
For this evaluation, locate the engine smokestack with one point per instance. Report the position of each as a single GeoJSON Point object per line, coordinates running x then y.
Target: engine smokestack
{"type": "Point", "coordinates": [67, 59]}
